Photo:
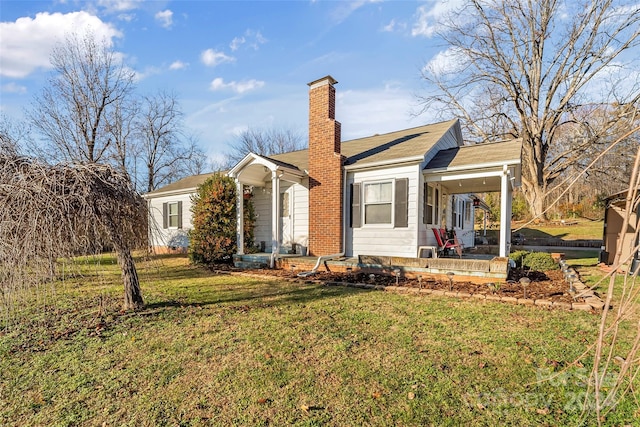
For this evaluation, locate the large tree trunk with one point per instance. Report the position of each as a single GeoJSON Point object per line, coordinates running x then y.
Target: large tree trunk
{"type": "Point", "coordinates": [132, 295]}
{"type": "Point", "coordinates": [534, 187]}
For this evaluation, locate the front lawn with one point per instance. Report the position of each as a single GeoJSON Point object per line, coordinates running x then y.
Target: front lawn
{"type": "Point", "coordinates": [233, 350]}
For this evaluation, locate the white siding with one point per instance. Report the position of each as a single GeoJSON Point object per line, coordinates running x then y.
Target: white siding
{"type": "Point", "coordinates": [262, 207]}
{"type": "Point", "coordinates": [172, 237]}
{"type": "Point", "coordinates": [379, 239]}
{"type": "Point", "coordinates": [301, 213]}
{"type": "Point", "coordinates": [262, 201]}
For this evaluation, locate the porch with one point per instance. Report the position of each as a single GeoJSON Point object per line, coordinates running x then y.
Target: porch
{"type": "Point", "coordinates": [479, 268]}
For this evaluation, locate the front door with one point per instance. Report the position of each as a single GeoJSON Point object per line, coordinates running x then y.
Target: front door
{"type": "Point", "coordinates": [286, 217]}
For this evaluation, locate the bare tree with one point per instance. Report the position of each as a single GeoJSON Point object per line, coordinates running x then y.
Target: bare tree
{"type": "Point", "coordinates": [88, 83]}
{"type": "Point", "coordinates": [124, 141]}
{"type": "Point", "coordinates": [168, 154]}
{"type": "Point", "coordinates": [48, 212]}
{"type": "Point", "coordinates": [12, 136]}
{"type": "Point", "coordinates": [524, 68]}
{"type": "Point", "coordinates": [265, 143]}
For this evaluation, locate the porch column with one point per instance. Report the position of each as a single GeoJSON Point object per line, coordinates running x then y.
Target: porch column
{"type": "Point", "coordinates": [275, 212]}
{"type": "Point", "coordinates": [240, 217]}
{"type": "Point", "coordinates": [505, 215]}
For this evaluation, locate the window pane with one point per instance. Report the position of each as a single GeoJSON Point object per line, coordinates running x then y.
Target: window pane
{"type": "Point", "coordinates": [378, 193]}
{"type": "Point", "coordinates": [173, 215]}
{"type": "Point", "coordinates": [429, 205]}
{"type": "Point", "coordinates": [377, 214]}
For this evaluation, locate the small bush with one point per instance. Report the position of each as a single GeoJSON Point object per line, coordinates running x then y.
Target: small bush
{"type": "Point", "coordinates": [517, 257]}
{"type": "Point", "coordinates": [539, 261]}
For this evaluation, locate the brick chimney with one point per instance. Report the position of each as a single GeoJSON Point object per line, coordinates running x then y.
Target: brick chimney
{"type": "Point", "coordinates": [325, 170]}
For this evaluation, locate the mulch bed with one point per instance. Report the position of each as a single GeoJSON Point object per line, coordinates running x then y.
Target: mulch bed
{"type": "Point", "coordinates": [549, 285]}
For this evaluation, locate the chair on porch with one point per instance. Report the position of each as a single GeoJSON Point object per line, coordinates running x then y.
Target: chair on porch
{"type": "Point", "coordinates": [446, 244]}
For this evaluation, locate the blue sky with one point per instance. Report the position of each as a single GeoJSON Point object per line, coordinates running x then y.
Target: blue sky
{"type": "Point", "coordinates": [240, 64]}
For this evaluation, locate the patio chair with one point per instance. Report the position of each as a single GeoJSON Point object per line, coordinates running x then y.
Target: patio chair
{"type": "Point", "coordinates": [445, 244]}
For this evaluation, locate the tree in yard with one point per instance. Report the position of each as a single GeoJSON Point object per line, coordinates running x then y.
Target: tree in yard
{"type": "Point", "coordinates": [167, 153]}
{"type": "Point", "coordinates": [89, 83]}
{"type": "Point", "coordinates": [528, 69]}
{"type": "Point", "coordinates": [213, 237]}
{"type": "Point", "coordinates": [89, 112]}
{"type": "Point", "coordinates": [49, 212]}
{"type": "Point", "coordinates": [265, 143]}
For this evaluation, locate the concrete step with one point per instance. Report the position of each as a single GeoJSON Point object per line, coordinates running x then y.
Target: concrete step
{"type": "Point", "coordinates": [249, 264]}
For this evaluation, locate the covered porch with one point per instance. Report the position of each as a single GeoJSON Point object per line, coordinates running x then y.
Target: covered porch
{"type": "Point", "coordinates": [481, 168]}
{"type": "Point", "coordinates": [269, 182]}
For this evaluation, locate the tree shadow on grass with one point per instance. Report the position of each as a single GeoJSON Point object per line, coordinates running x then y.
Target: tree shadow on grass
{"type": "Point", "coordinates": [273, 293]}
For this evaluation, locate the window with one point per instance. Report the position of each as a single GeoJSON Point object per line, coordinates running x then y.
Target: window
{"type": "Point", "coordinates": [431, 204]}
{"type": "Point", "coordinates": [382, 202]}
{"type": "Point", "coordinates": [457, 206]}
{"type": "Point", "coordinates": [467, 211]}
{"type": "Point", "coordinates": [378, 199]}
{"type": "Point", "coordinates": [172, 215]}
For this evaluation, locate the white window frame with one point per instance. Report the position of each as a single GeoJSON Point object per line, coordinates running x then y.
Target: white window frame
{"type": "Point", "coordinates": [458, 212]}
{"type": "Point", "coordinates": [391, 204]}
{"type": "Point", "coordinates": [175, 215]}
{"type": "Point", "coordinates": [432, 204]}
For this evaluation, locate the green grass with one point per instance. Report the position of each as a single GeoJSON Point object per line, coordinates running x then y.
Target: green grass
{"type": "Point", "coordinates": [227, 350]}
{"type": "Point", "coordinates": [584, 229]}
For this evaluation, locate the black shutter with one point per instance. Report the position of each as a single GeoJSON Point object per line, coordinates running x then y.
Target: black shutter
{"type": "Point", "coordinates": [424, 203]}
{"type": "Point", "coordinates": [356, 214]}
{"type": "Point", "coordinates": [180, 215]}
{"type": "Point", "coordinates": [165, 216]}
{"type": "Point", "coordinates": [401, 217]}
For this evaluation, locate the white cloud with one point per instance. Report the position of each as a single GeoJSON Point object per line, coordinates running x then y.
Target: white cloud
{"type": "Point", "coordinates": [429, 17]}
{"type": "Point", "coordinates": [13, 88]}
{"type": "Point", "coordinates": [212, 58]}
{"type": "Point", "coordinates": [165, 18]}
{"type": "Point", "coordinates": [27, 42]}
{"type": "Point", "coordinates": [119, 5]}
{"type": "Point", "coordinates": [251, 38]}
{"type": "Point", "coordinates": [178, 65]}
{"type": "Point", "coordinates": [236, 43]}
{"type": "Point", "coordinates": [394, 26]}
{"type": "Point", "coordinates": [346, 8]}
{"type": "Point", "coordinates": [238, 87]}
{"type": "Point", "coordinates": [447, 61]}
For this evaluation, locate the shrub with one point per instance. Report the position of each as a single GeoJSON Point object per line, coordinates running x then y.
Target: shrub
{"type": "Point", "coordinates": [517, 257]}
{"type": "Point", "coordinates": [539, 261]}
{"type": "Point", "coordinates": [213, 237]}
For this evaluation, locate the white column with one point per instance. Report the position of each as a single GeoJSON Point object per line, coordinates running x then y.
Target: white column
{"type": "Point", "coordinates": [275, 212]}
{"type": "Point", "coordinates": [505, 216]}
{"type": "Point", "coordinates": [240, 217]}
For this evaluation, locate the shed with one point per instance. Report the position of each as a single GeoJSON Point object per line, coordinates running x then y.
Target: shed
{"type": "Point", "coordinates": [613, 235]}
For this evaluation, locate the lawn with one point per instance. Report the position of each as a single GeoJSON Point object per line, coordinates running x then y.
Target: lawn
{"type": "Point", "coordinates": [582, 229]}
{"type": "Point", "coordinates": [233, 350]}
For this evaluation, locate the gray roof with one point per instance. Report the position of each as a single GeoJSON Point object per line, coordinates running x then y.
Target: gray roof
{"type": "Point", "coordinates": [187, 183]}
{"type": "Point", "coordinates": [407, 143]}
{"type": "Point", "coordinates": [477, 155]}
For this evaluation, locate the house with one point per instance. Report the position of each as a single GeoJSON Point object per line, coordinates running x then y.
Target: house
{"type": "Point", "coordinates": [613, 235]}
{"type": "Point", "coordinates": [380, 195]}
{"type": "Point", "coordinates": [170, 214]}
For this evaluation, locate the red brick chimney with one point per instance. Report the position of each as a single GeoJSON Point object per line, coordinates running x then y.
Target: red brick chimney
{"type": "Point", "coordinates": [325, 170]}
